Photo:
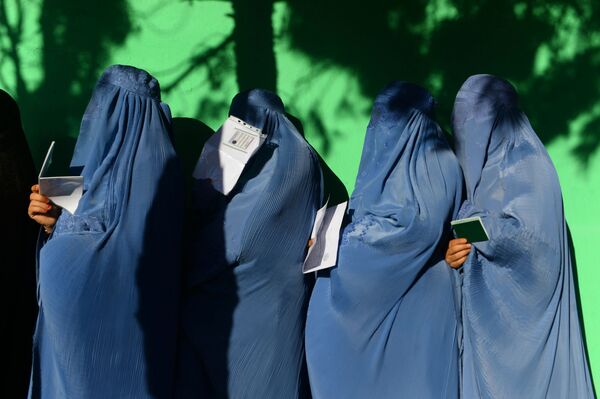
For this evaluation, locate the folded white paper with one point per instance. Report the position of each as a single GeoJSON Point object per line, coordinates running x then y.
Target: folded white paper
{"type": "Point", "coordinates": [64, 191]}
{"type": "Point", "coordinates": [227, 152]}
{"type": "Point", "coordinates": [325, 237]}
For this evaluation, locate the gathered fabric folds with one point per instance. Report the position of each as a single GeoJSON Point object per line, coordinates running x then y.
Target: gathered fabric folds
{"type": "Point", "coordinates": [522, 337]}
{"type": "Point", "coordinates": [17, 249]}
{"type": "Point", "coordinates": [383, 322]}
{"type": "Point", "coordinates": [245, 306]}
{"type": "Point", "coordinates": [109, 276]}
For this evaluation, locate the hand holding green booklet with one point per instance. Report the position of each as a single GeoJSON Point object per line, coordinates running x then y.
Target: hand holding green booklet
{"type": "Point", "coordinates": [470, 228]}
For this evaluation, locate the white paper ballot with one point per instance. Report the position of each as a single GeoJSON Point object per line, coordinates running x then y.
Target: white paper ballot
{"type": "Point", "coordinates": [227, 152]}
{"type": "Point", "coordinates": [64, 191]}
{"type": "Point", "coordinates": [322, 254]}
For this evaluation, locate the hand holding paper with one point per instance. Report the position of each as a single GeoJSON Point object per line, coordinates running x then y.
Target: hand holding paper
{"type": "Point", "coordinates": [457, 252]}
{"type": "Point", "coordinates": [64, 191]}
{"type": "Point", "coordinates": [466, 231]}
{"type": "Point", "coordinates": [325, 237]}
{"type": "Point", "coordinates": [41, 210]}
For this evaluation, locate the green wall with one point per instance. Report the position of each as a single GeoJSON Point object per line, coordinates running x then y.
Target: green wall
{"type": "Point", "coordinates": [327, 59]}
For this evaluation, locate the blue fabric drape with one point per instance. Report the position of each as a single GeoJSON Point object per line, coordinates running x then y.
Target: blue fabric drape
{"type": "Point", "coordinates": [383, 323]}
{"type": "Point", "coordinates": [522, 337]}
{"type": "Point", "coordinates": [244, 313]}
{"type": "Point", "coordinates": [109, 275]}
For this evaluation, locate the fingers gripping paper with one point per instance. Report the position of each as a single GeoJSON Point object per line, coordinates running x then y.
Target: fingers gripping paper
{"type": "Point", "coordinates": [226, 154]}
{"type": "Point", "coordinates": [325, 237]}
{"type": "Point", "coordinates": [64, 191]}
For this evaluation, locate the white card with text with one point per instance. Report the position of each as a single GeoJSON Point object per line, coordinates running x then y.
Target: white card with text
{"type": "Point", "coordinates": [227, 152]}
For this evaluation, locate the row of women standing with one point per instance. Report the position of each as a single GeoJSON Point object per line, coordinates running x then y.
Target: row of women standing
{"type": "Point", "coordinates": [120, 318]}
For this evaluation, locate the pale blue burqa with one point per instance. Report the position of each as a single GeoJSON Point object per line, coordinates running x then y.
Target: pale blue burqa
{"type": "Point", "coordinates": [109, 276]}
{"type": "Point", "coordinates": [383, 323]}
{"type": "Point", "coordinates": [245, 307]}
{"type": "Point", "coordinates": [522, 337]}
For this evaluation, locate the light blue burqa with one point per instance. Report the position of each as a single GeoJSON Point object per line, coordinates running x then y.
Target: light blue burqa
{"type": "Point", "coordinates": [522, 337]}
{"type": "Point", "coordinates": [383, 323]}
{"type": "Point", "coordinates": [245, 307]}
{"type": "Point", "coordinates": [109, 275]}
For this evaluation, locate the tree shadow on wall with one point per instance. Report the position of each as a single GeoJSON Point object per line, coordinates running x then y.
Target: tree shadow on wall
{"type": "Point", "coordinates": [438, 44]}
{"type": "Point", "coordinates": [544, 48]}
{"type": "Point", "coordinates": [76, 40]}
{"type": "Point", "coordinates": [247, 50]}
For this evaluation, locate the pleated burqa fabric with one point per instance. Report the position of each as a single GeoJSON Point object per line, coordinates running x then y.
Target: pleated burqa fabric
{"type": "Point", "coordinates": [245, 308]}
{"type": "Point", "coordinates": [17, 249]}
{"type": "Point", "coordinates": [522, 337]}
{"type": "Point", "coordinates": [383, 323]}
{"type": "Point", "coordinates": [109, 275]}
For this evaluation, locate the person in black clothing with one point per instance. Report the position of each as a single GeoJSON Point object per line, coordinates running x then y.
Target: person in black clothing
{"type": "Point", "coordinates": [17, 252]}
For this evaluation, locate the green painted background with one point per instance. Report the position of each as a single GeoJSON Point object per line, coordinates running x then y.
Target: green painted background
{"type": "Point", "coordinates": [327, 59]}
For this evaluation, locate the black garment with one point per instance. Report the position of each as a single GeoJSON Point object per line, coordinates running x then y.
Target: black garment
{"type": "Point", "coordinates": [17, 252]}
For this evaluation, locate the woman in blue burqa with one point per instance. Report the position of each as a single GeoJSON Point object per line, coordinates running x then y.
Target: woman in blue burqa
{"type": "Point", "coordinates": [245, 306]}
{"type": "Point", "coordinates": [522, 337]}
{"type": "Point", "coordinates": [109, 274]}
{"type": "Point", "coordinates": [382, 323]}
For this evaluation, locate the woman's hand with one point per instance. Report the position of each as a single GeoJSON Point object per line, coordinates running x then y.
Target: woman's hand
{"type": "Point", "coordinates": [458, 250]}
{"type": "Point", "coordinates": [41, 210]}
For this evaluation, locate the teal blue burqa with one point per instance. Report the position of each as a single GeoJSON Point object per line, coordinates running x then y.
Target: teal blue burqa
{"type": "Point", "coordinates": [522, 337]}
{"type": "Point", "coordinates": [245, 306]}
{"type": "Point", "coordinates": [109, 275]}
{"type": "Point", "coordinates": [383, 323]}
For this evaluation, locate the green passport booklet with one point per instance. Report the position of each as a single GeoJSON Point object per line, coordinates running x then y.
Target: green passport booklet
{"type": "Point", "coordinates": [470, 228]}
